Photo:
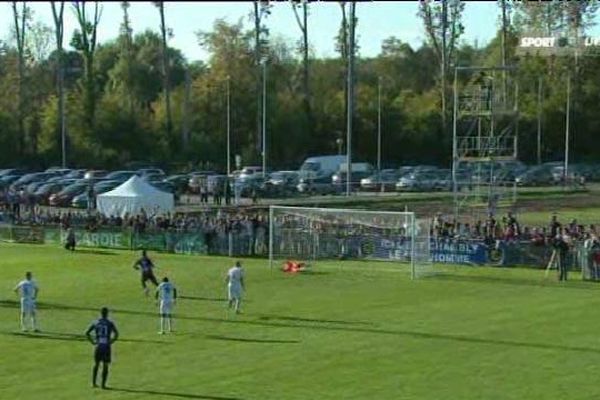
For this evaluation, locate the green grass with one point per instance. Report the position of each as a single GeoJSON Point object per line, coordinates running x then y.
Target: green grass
{"type": "Point", "coordinates": [348, 332]}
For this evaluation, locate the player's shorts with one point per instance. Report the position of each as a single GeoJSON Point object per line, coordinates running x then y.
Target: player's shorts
{"type": "Point", "coordinates": [149, 276]}
{"type": "Point", "coordinates": [235, 292]}
{"type": "Point", "coordinates": [102, 353]}
{"type": "Point", "coordinates": [27, 306]}
{"type": "Point", "coordinates": [166, 307]}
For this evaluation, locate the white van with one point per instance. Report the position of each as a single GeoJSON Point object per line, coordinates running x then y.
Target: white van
{"type": "Point", "coordinates": [320, 166]}
{"type": "Point", "coordinates": [315, 174]}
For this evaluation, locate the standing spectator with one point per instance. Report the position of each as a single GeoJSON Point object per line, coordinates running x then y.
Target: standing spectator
{"type": "Point", "coordinates": [554, 226]}
{"type": "Point", "coordinates": [561, 247]}
{"type": "Point", "coordinates": [91, 203]}
{"type": "Point", "coordinates": [227, 189]}
{"type": "Point", "coordinates": [70, 242]}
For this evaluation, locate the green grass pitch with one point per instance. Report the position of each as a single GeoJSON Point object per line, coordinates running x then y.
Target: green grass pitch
{"type": "Point", "coordinates": [346, 332]}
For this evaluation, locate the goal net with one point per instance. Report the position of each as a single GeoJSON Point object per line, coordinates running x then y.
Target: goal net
{"type": "Point", "coordinates": [307, 235]}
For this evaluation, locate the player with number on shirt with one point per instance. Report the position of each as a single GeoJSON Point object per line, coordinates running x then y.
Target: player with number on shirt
{"type": "Point", "coordinates": [29, 292]}
{"type": "Point", "coordinates": [146, 265]}
{"type": "Point", "coordinates": [106, 334]}
{"type": "Point", "coordinates": [166, 294]}
{"type": "Point", "coordinates": [235, 285]}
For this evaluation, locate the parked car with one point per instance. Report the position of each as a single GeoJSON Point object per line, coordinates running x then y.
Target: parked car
{"type": "Point", "coordinates": [81, 200]}
{"type": "Point", "coordinates": [76, 174]}
{"type": "Point", "coordinates": [65, 196]}
{"type": "Point", "coordinates": [119, 175]}
{"type": "Point", "coordinates": [283, 178]}
{"type": "Point", "coordinates": [165, 187]}
{"type": "Point", "coordinates": [12, 171]}
{"type": "Point", "coordinates": [95, 173]}
{"type": "Point", "coordinates": [179, 181]}
{"type": "Point", "coordinates": [423, 180]}
{"type": "Point", "coordinates": [250, 171]}
{"type": "Point", "coordinates": [313, 186]}
{"type": "Point", "coordinates": [30, 178]}
{"type": "Point", "coordinates": [46, 190]}
{"type": "Point", "coordinates": [386, 179]}
{"type": "Point", "coordinates": [197, 179]}
{"type": "Point", "coordinates": [143, 172]}
{"type": "Point", "coordinates": [359, 171]}
{"type": "Point", "coordinates": [8, 180]}
{"type": "Point", "coordinates": [246, 185]}
{"type": "Point", "coordinates": [537, 176]}
{"type": "Point", "coordinates": [321, 166]}
{"type": "Point", "coordinates": [216, 182]}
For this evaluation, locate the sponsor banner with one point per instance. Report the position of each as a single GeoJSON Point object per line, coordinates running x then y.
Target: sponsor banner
{"type": "Point", "coordinates": [186, 243]}
{"type": "Point", "coordinates": [445, 251]}
{"type": "Point", "coordinates": [27, 234]}
{"type": "Point", "coordinates": [106, 239]}
{"type": "Point", "coordinates": [451, 251]}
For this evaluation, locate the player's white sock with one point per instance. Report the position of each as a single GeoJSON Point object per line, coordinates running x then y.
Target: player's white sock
{"type": "Point", "coordinates": [33, 322]}
{"type": "Point", "coordinates": [146, 291]}
{"type": "Point", "coordinates": [162, 324]}
{"type": "Point", "coordinates": [23, 327]}
{"type": "Point", "coordinates": [169, 324]}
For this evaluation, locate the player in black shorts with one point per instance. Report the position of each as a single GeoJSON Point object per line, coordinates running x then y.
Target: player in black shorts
{"type": "Point", "coordinates": [146, 265]}
{"type": "Point", "coordinates": [106, 334]}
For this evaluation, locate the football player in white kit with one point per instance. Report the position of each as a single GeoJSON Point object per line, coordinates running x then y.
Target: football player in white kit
{"type": "Point", "coordinates": [235, 285]}
{"type": "Point", "coordinates": [166, 293]}
{"type": "Point", "coordinates": [29, 291]}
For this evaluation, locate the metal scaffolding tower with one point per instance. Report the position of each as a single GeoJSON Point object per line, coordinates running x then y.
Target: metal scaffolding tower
{"type": "Point", "coordinates": [485, 131]}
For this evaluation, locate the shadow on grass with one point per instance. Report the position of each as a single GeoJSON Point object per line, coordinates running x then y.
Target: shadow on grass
{"type": "Point", "coordinates": [246, 340]}
{"type": "Point", "coordinates": [322, 321]}
{"type": "Point", "coordinates": [358, 329]}
{"type": "Point", "coordinates": [72, 337]}
{"type": "Point", "coordinates": [202, 298]}
{"type": "Point", "coordinates": [171, 394]}
{"type": "Point", "coordinates": [97, 252]}
{"type": "Point", "coordinates": [550, 282]}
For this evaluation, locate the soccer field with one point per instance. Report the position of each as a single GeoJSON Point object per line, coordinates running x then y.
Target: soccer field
{"type": "Point", "coordinates": [345, 331]}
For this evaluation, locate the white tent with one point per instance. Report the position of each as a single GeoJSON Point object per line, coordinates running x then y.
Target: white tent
{"type": "Point", "coordinates": [133, 196]}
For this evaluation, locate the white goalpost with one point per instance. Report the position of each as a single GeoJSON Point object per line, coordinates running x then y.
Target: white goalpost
{"type": "Point", "coordinates": [308, 235]}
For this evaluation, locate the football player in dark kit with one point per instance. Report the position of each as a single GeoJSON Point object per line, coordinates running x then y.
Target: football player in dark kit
{"type": "Point", "coordinates": [106, 334]}
{"type": "Point", "coordinates": [146, 265]}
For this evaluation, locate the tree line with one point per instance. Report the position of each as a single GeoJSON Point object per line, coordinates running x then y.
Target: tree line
{"type": "Point", "coordinates": [137, 98]}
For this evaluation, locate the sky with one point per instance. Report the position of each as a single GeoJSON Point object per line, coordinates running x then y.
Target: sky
{"type": "Point", "coordinates": [376, 21]}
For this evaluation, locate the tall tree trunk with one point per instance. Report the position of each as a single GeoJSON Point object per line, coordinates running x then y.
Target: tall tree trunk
{"type": "Point", "coordinates": [185, 126]}
{"type": "Point", "coordinates": [306, 96]}
{"type": "Point", "coordinates": [504, 55]}
{"type": "Point", "coordinates": [344, 49]}
{"type": "Point", "coordinates": [88, 43]}
{"type": "Point", "coordinates": [443, 66]}
{"type": "Point", "coordinates": [257, 59]}
{"type": "Point", "coordinates": [20, 29]}
{"type": "Point", "coordinates": [129, 55]}
{"type": "Point", "coordinates": [60, 74]}
{"type": "Point", "coordinates": [165, 65]}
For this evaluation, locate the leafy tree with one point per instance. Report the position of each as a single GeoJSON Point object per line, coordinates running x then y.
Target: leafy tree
{"type": "Point", "coordinates": [84, 40]}
{"type": "Point", "coordinates": [443, 26]}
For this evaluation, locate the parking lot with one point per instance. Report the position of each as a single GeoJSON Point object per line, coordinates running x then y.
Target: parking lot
{"type": "Point", "coordinates": [73, 188]}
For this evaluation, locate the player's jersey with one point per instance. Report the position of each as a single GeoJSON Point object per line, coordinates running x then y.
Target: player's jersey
{"type": "Point", "coordinates": [27, 289]}
{"type": "Point", "coordinates": [145, 264]}
{"type": "Point", "coordinates": [166, 291]}
{"type": "Point", "coordinates": [103, 329]}
{"type": "Point", "coordinates": [235, 276]}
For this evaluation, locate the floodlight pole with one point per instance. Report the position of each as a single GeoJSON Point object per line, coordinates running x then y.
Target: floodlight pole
{"type": "Point", "coordinates": [350, 98]}
{"type": "Point", "coordinates": [539, 121]}
{"type": "Point", "coordinates": [264, 120]}
{"type": "Point", "coordinates": [379, 131]}
{"type": "Point", "coordinates": [567, 129]}
{"type": "Point", "coordinates": [228, 128]}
